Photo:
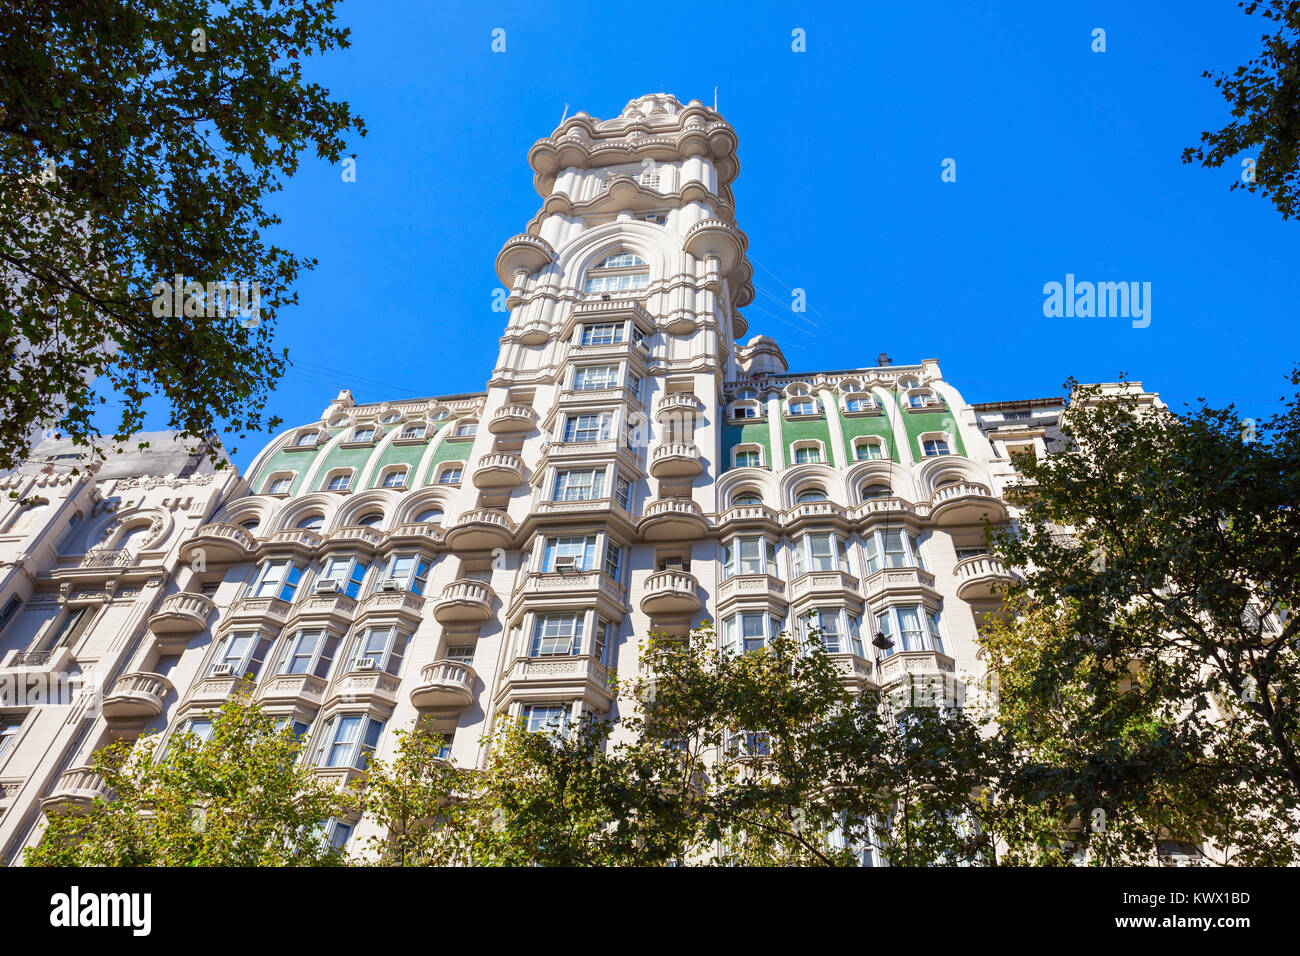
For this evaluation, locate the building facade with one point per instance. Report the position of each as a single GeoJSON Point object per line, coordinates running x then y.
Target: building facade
{"type": "Point", "coordinates": [634, 465]}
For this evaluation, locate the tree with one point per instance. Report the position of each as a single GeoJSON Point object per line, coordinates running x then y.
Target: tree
{"type": "Point", "coordinates": [238, 799]}
{"type": "Point", "coordinates": [139, 141]}
{"type": "Point", "coordinates": [1265, 98]}
{"type": "Point", "coordinates": [1147, 668]}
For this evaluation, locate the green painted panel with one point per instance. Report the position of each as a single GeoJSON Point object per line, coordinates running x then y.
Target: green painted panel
{"type": "Point", "coordinates": [817, 429]}
{"type": "Point", "coordinates": [915, 423]}
{"type": "Point", "coordinates": [748, 433]}
{"type": "Point", "coordinates": [874, 425]}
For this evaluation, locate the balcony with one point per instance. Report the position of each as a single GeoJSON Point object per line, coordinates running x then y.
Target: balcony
{"type": "Point", "coordinates": [396, 606]}
{"type": "Point", "coordinates": [368, 686]}
{"type": "Point", "coordinates": [670, 592]}
{"type": "Point", "coordinates": [965, 503]}
{"type": "Point", "coordinates": [590, 586]}
{"type": "Point", "coordinates": [512, 419]}
{"type": "Point", "coordinates": [107, 558]}
{"type": "Point", "coordinates": [744, 516]}
{"type": "Point", "coordinates": [182, 613]}
{"type": "Point", "coordinates": [535, 332]}
{"type": "Point", "coordinates": [75, 790]}
{"type": "Point", "coordinates": [136, 696]}
{"type": "Point", "coordinates": [742, 587]}
{"type": "Point", "coordinates": [981, 577]}
{"type": "Point", "coordinates": [857, 672]}
{"type": "Point", "coordinates": [679, 406]}
{"type": "Point", "coordinates": [417, 533]}
{"type": "Point", "coordinates": [464, 602]}
{"type": "Point", "coordinates": [888, 510]}
{"type": "Point", "coordinates": [444, 684]}
{"type": "Point", "coordinates": [292, 689]}
{"type": "Point", "coordinates": [325, 609]}
{"type": "Point", "coordinates": [297, 541]}
{"type": "Point", "coordinates": [822, 514]}
{"type": "Point", "coordinates": [522, 253]}
{"type": "Point", "coordinates": [213, 691]}
{"type": "Point", "coordinates": [673, 519]}
{"type": "Point", "coordinates": [218, 543]}
{"type": "Point", "coordinates": [257, 611]}
{"type": "Point", "coordinates": [825, 585]}
{"type": "Point", "coordinates": [922, 669]}
{"type": "Point", "coordinates": [557, 678]}
{"type": "Point", "coordinates": [676, 460]}
{"type": "Point", "coordinates": [898, 583]}
{"type": "Point", "coordinates": [481, 530]}
{"type": "Point", "coordinates": [499, 470]}
{"type": "Point", "coordinates": [354, 538]}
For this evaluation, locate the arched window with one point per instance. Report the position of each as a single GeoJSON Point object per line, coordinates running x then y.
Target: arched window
{"type": "Point", "coordinates": [306, 438]}
{"type": "Point", "coordinates": [250, 524]}
{"type": "Point", "coordinates": [430, 516]}
{"type": "Point", "coordinates": [339, 481]}
{"type": "Point", "coordinates": [810, 495]}
{"type": "Point", "coordinates": [871, 492]}
{"type": "Point", "coordinates": [868, 449]}
{"type": "Point", "coordinates": [371, 519]}
{"type": "Point", "coordinates": [746, 498]}
{"type": "Point", "coordinates": [389, 417]}
{"type": "Point", "coordinates": [134, 538]}
{"type": "Point", "coordinates": [923, 399]}
{"type": "Point", "coordinates": [623, 271]}
{"type": "Point", "coordinates": [934, 447]}
{"type": "Point", "coordinates": [312, 522]}
{"type": "Point", "coordinates": [394, 478]}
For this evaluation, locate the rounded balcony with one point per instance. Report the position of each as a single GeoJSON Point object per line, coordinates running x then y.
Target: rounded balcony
{"type": "Point", "coordinates": [182, 613]}
{"type": "Point", "coordinates": [715, 238]}
{"type": "Point", "coordinates": [965, 502]}
{"type": "Point", "coordinates": [675, 460]}
{"type": "Point", "coordinates": [444, 684]}
{"type": "Point", "coordinates": [499, 470]}
{"type": "Point", "coordinates": [525, 253]}
{"type": "Point", "coordinates": [481, 530]}
{"type": "Point", "coordinates": [76, 789]}
{"type": "Point", "coordinates": [981, 577]}
{"type": "Point", "coordinates": [136, 696]}
{"type": "Point", "coordinates": [509, 419]}
{"type": "Point", "coordinates": [218, 543]}
{"type": "Point", "coordinates": [673, 519]}
{"type": "Point", "coordinates": [464, 602]}
{"type": "Point", "coordinates": [535, 332]}
{"type": "Point", "coordinates": [670, 592]}
{"type": "Point", "coordinates": [677, 405]}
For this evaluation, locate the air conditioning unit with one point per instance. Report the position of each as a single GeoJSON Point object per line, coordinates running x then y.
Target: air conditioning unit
{"type": "Point", "coordinates": [329, 585]}
{"type": "Point", "coordinates": [566, 564]}
{"type": "Point", "coordinates": [390, 584]}
{"type": "Point", "coordinates": [366, 664]}
{"type": "Point", "coordinates": [222, 670]}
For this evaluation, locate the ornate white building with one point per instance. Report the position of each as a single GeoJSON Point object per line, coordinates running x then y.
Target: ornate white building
{"type": "Point", "coordinates": [631, 467]}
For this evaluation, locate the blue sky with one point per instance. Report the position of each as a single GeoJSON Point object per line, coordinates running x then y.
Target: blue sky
{"type": "Point", "coordinates": [1068, 161]}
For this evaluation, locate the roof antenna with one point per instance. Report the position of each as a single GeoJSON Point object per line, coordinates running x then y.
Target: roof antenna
{"type": "Point", "coordinates": [715, 99]}
{"type": "Point", "coordinates": [566, 114]}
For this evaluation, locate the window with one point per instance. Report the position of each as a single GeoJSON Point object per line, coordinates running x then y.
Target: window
{"type": "Point", "coordinates": [634, 384]}
{"type": "Point", "coordinates": [569, 552]}
{"type": "Point", "coordinates": [10, 609]}
{"type": "Point", "coordinates": [467, 430]}
{"type": "Point", "coordinates": [617, 283]}
{"type": "Point", "coordinates": [383, 647]}
{"type": "Point", "coordinates": [250, 525]}
{"type": "Point", "coordinates": [411, 571]}
{"type": "Point", "coordinates": [602, 333]}
{"type": "Point", "coordinates": [750, 458]}
{"type": "Point", "coordinates": [363, 434]}
{"type": "Point", "coordinates": [70, 628]}
{"type": "Point", "coordinates": [871, 492]}
{"type": "Point", "coordinates": [431, 516]}
{"type": "Point", "coordinates": [9, 727]}
{"type": "Point", "coordinates": [747, 498]}
{"type": "Point", "coordinates": [598, 640]}
{"type": "Point", "coordinates": [546, 718]}
{"type": "Point", "coordinates": [820, 552]}
{"type": "Point", "coordinates": [900, 549]}
{"type": "Point", "coordinates": [802, 406]}
{"type": "Point", "coordinates": [748, 743]}
{"type": "Point", "coordinates": [413, 431]}
{"type": "Point", "coordinates": [622, 490]}
{"type": "Point", "coordinates": [440, 414]}
{"type": "Point", "coordinates": [592, 377]}
{"type": "Point", "coordinates": [389, 417]}
{"type": "Point", "coordinates": [744, 411]}
{"type": "Point", "coordinates": [304, 439]}
{"type": "Point", "coordinates": [557, 634]}
{"type": "Point", "coordinates": [579, 485]}
{"type": "Point", "coordinates": [621, 260]}
{"type": "Point", "coordinates": [335, 833]}
{"type": "Point", "coordinates": [348, 740]}
{"type": "Point", "coordinates": [200, 727]}
{"type": "Point", "coordinates": [866, 449]}
{"type": "Point", "coordinates": [917, 627]}
{"type": "Point", "coordinates": [858, 404]}
{"type": "Point", "coordinates": [311, 523]}
{"type": "Point", "coordinates": [749, 631]}
{"type": "Point", "coordinates": [340, 481]}
{"type": "Point", "coordinates": [395, 478]}
{"type": "Point", "coordinates": [279, 486]}
{"type": "Point", "coordinates": [810, 495]}
{"type": "Point", "coordinates": [450, 475]}
{"type": "Point", "coordinates": [278, 579]}
{"type": "Point", "coordinates": [370, 520]}
{"type": "Point", "coordinates": [240, 655]}
{"type": "Point", "coordinates": [310, 651]}
{"type": "Point", "coordinates": [581, 428]}
{"type": "Point", "coordinates": [827, 624]}
{"type": "Point", "coordinates": [922, 400]}
{"type": "Point", "coordinates": [807, 454]}
{"type": "Point", "coordinates": [933, 447]}
{"type": "Point", "coordinates": [460, 653]}
{"type": "Point", "coordinates": [613, 560]}
{"type": "Point", "coordinates": [749, 554]}
{"type": "Point", "coordinates": [347, 573]}
{"type": "Point", "coordinates": [964, 553]}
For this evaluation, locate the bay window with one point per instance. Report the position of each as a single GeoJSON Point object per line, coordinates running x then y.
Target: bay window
{"type": "Point", "coordinates": [347, 573]}
{"type": "Point", "coordinates": [830, 625]}
{"type": "Point", "coordinates": [310, 651]}
{"type": "Point", "coordinates": [820, 551]}
{"type": "Point", "coordinates": [588, 378]}
{"type": "Point", "coordinates": [380, 648]}
{"type": "Point", "coordinates": [408, 570]}
{"type": "Point", "coordinates": [602, 333]}
{"type": "Point", "coordinates": [749, 631]}
{"type": "Point", "coordinates": [585, 428]}
{"type": "Point", "coordinates": [570, 552]}
{"type": "Point", "coordinates": [911, 628]}
{"type": "Point", "coordinates": [557, 634]}
{"type": "Point", "coordinates": [348, 740]}
{"type": "Point", "coordinates": [546, 718]}
{"type": "Point", "coordinates": [899, 549]}
{"type": "Point", "coordinates": [278, 579]}
{"type": "Point", "coordinates": [240, 655]}
{"type": "Point", "coordinates": [579, 484]}
{"type": "Point", "coordinates": [749, 554]}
